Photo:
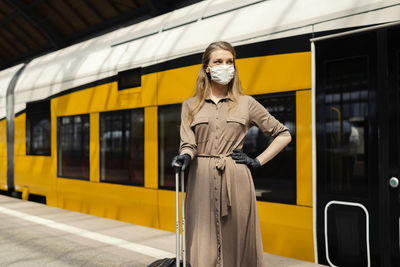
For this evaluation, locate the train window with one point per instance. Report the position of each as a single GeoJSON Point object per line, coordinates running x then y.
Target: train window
{"type": "Point", "coordinates": [346, 232]}
{"type": "Point", "coordinates": [276, 180]}
{"type": "Point", "coordinates": [346, 125]}
{"type": "Point", "coordinates": [38, 128]}
{"type": "Point", "coordinates": [73, 146]}
{"type": "Point", "coordinates": [169, 120]}
{"type": "Point", "coordinates": [130, 78]}
{"type": "Point", "coordinates": [122, 147]}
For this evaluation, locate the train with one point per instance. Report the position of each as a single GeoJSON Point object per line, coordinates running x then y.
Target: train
{"type": "Point", "coordinates": [93, 127]}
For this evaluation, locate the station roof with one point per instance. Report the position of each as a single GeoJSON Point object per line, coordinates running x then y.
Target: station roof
{"type": "Point", "coordinates": [29, 28]}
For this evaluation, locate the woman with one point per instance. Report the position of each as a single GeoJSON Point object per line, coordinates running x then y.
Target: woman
{"type": "Point", "coordinates": [222, 227]}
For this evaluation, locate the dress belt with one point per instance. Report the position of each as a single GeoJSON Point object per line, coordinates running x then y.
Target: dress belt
{"type": "Point", "coordinates": [220, 164]}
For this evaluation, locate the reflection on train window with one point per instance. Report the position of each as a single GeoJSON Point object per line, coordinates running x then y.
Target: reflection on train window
{"type": "Point", "coordinates": [346, 124]}
{"type": "Point", "coordinates": [122, 147]}
{"type": "Point", "coordinates": [276, 180]}
{"type": "Point", "coordinates": [169, 120]}
{"type": "Point", "coordinates": [38, 128]}
{"type": "Point", "coordinates": [73, 146]}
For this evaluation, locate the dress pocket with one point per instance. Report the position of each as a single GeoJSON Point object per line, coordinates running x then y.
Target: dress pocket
{"type": "Point", "coordinates": [200, 128]}
{"type": "Point", "coordinates": [235, 127]}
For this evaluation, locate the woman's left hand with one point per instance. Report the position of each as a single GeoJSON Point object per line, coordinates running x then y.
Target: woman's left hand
{"type": "Point", "coordinates": [241, 158]}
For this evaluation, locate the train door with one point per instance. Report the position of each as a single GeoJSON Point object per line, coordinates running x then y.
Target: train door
{"type": "Point", "coordinates": [358, 148]}
{"type": "Point", "coordinates": [390, 170]}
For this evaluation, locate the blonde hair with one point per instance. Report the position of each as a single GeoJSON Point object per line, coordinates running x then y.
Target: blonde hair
{"type": "Point", "coordinates": [203, 83]}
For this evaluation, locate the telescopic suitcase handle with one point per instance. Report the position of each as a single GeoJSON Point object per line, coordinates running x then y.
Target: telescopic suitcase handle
{"type": "Point", "coordinates": [178, 168]}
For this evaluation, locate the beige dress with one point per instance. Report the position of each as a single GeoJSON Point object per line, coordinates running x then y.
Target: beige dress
{"type": "Point", "coordinates": [222, 227]}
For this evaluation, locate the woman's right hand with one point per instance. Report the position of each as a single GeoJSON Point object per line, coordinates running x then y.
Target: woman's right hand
{"type": "Point", "coordinates": [183, 160]}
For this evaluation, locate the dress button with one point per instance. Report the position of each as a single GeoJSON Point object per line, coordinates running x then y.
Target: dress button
{"type": "Point", "coordinates": [216, 137]}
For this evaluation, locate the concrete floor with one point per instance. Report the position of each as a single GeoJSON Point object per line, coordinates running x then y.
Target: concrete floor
{"type": "Point", "coordinates": [32, 234]}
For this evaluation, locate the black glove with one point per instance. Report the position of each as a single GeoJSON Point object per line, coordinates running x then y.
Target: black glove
{"type": "Point", "coordinates": [183, 160]}
{"type": "Point", "coordinates": [241, 158]}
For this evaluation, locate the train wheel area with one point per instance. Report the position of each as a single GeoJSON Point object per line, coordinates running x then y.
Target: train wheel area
{"type": "Point", "coordinates": [33, 234]}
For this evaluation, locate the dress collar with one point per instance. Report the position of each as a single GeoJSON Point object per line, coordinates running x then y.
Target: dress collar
{"type": "Point", "coordinates": [228, 97]}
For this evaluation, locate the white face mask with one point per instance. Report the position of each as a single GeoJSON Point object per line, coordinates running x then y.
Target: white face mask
{"type": "Point", "coordinates": [222, 74]}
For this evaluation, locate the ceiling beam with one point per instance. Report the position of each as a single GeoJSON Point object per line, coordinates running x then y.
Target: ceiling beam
{"type": "Point", "coordinates": [134, 16]}
{"type": "Point", "coordinates": [35, 3]}
{"type": "Point", "coordinates": [8, 18]}
{"type": "Point", "coordinates": [77, 13]}
{"type": "Point", "coordinates": [27, 32]}
{"type": "Point", "coordinates": [18, 39]}
{"type": "Point", "coordinates": [61, 15]}
{"type": "Point", "coordinates": [6, 45]}
{"type": "Point", "coordinates": [52, 36]}
{"type": "Point", "coordinates": [95, 9]}
{"type": "Point", "coordinates": [111, 2]}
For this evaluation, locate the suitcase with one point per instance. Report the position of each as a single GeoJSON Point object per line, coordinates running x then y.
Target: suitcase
{"type": "Point", "coordinates": [177, 262]}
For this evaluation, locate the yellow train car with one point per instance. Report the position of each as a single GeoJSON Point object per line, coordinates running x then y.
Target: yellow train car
{"type": "Point", "coordinates": [93, 127]}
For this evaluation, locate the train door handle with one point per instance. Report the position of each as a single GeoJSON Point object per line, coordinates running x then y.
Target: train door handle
{"type": "Point", "coordinates": [394, 182]}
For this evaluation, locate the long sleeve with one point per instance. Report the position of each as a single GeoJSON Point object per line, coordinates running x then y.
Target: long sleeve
{"type": "Point", "coordinates": [188, 140]}
{"type": "Point", "coordinates": [267, 123]}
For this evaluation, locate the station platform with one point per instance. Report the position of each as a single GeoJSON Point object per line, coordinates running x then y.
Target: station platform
{"type": "Point", "coordinates": [33, 234]}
